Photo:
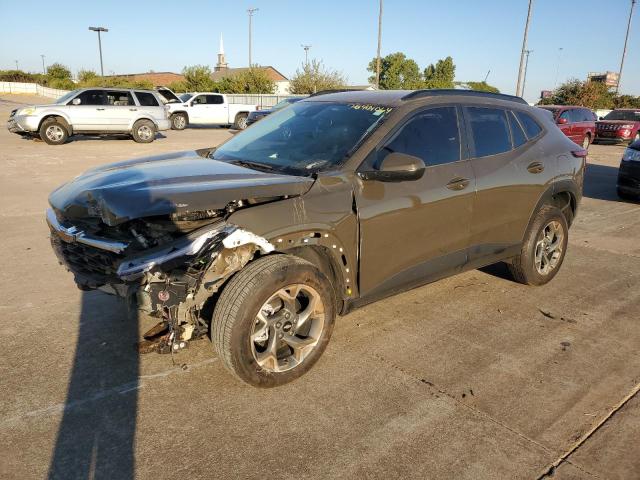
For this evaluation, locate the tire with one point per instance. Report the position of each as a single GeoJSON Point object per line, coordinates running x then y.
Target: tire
{"type": "Point", "coordinates": [586, 142]}
{"type": "Point", "coordinates": [251, 315]}
{"type": "Point", "coordinates": [53, 132]}
{"type": "Point", "coordinates": [179, 121]}
{"type": "Point", "coordinates": [529, 268]}
{"type": "Point", "coordinates": [241, 121]}
{"type": "Point", "coordinates": [144, 131]}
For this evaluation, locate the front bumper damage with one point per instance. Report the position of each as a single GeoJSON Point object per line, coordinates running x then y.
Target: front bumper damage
{"type": "Point", "coordinates": [171, 282]}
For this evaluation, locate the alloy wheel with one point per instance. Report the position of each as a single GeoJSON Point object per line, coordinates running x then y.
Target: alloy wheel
{"type": "Point", "coordinates": [287, 328]}
{"type": "Point", "coordinates": [548, 252]}
{"type": "Point", "coordinates": [54, 133]}
{"type": "Point", "coordinates": [145, 132]}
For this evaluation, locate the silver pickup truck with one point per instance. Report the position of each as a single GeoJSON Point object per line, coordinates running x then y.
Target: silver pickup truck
{"type": "Point", "coordinates": [94, 111]}
{"type": "Point", "coordinates": [205, 108]}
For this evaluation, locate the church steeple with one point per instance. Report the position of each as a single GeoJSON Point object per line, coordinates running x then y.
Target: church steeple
{"type": "Point", "coordinates": [222, 64]}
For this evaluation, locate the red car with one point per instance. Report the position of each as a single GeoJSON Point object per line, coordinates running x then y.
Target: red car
{"type": "Point", "coordinates": [577, 123]}
{"type": "Point", "coordinates": [620, 125]}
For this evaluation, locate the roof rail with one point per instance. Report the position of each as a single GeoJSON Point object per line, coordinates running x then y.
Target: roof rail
{"type": "Point", "coordinates": [335, 90]}
{"type": "Point", "coordinates": [436, 92]}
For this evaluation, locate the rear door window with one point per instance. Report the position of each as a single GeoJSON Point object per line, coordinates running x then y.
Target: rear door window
{"type": "Point", "coordinates": [432, 136]}
{"type": "Point", "coordinates": [517, 134]}
{"type": "Point", "coordinates": [147, 99]}
{"type": "Point", "coordinates": [489, 130]}
{"type": "Point", "coordinates": [119, 98]}
{"type": "Point", "coordinates": [531, 127]}
{"type": "Point", "coordinates": [214, 99]}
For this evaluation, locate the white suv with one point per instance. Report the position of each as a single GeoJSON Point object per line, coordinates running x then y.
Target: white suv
{"type": "Point", "coordinates": [95, 111]}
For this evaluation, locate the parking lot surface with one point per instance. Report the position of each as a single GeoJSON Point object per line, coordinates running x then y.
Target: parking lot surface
{"type": "Point", "coordinates": [471, 377]}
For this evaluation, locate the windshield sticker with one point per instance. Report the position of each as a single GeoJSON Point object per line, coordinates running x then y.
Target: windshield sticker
{"type": "Point", "coordinates": [375, 109]}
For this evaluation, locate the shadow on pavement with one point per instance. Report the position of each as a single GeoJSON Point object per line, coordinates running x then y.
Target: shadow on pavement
{"type": "Point", "coordinates": [600, 182]}
{"type": "Point", "coordinates": [97, 432]}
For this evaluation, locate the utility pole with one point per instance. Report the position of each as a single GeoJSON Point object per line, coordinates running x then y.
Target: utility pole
{"type": "Point", "coordinates": [526, 67]}
{"type": "Point", "coordinates": [306, 53]}
{"type": "Point", "coordinates": [555, 85]}
{"type": "Point", "coordinates": [16, 64]}
{"type": "Point", "coordinates": [624, 50]}
{"type": "Point", "coordinates": [486, 76]}
{"type": "Point", "coordinates": [44, 70]}
{"type": "Point", "coordinates": [100, 29]}
{"type": "Point", "coordinates": [519, 85]}
{"type": "Point", "coordinates": [379, 45]}
{"type": "Point", "coordinates": [251, 12]}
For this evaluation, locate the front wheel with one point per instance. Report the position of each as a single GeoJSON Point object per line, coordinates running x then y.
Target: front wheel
{"type": "Point", "coordinates": [178, 121]}
{"type": "Point", "coordinates": [273, 320]}
{"type": "Point", "coordinates": [144, 131]}
{"type": "Point", "coordinates": [543, 249]}
{"type": "Point", "coordinates": [53, 132]}
{"type": "Point", "coordinates": [241, 121]}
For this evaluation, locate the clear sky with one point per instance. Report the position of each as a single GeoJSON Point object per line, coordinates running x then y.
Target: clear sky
{"type": "Point", "coordinates": [480, 36]}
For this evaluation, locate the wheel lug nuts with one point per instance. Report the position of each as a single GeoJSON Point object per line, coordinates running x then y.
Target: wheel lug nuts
{"type": "Point", "coordinates": [278, 325]}
{"type": "Point", "coordinates": [280, 336]}
{"type": "Point", "coordinates": [287, 316]}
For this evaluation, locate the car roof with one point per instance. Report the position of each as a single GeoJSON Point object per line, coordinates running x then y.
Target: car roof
{"type": "Point", "coordinates": [565, 107]}
{"type": "Point", "coordinates": [127, 89]}
{"type": "Point", "coordinates": [393, 98]}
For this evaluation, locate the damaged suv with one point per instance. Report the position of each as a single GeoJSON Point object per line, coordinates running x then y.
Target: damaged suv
{"type": "Point", "coordinates": [337, 201]}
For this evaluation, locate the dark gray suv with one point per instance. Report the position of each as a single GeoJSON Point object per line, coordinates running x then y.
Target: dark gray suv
{"type": "Point", "coordinates": [337, 201]}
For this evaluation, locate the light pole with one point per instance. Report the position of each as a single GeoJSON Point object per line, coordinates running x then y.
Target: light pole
{"type": "Point", "coordinates": [251, 12]}
{"type": "Point", "coordinates": [555, 85]}
{"type": "Point", "coordinates": [306, 53]}
{"type": "Point", "coordinates": [624, 50]}
{"type": "Point", "coordinates": [100, 29]}
{"type": "Point", "coordinates": [379, 45]}
{"type": "Point", "coordinates": [44, 70]}
{"type": "Point", "coordinates": [526, 66]}
{"type": "Point", "coordinates": [519, 85]}
{"type": "Point", "coordinates": [17, 68]}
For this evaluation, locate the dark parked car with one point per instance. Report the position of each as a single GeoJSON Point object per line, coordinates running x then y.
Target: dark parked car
{"type": "Point", "coordinates": [629, 172]}
{"type": "Point", "coordinates": [620, 125]}
{"type": "Point", "coordinates": [577, 123]}
{"type": "Point", "coordinates": [260, 114]}
{"type": "Point", "coordinates": [336, 201]}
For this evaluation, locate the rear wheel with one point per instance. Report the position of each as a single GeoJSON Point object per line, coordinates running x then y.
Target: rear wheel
{"type": "Point", "coordinates": [144, 131]}
{"type": "Point", "coordinates": [53, 132]}
{"type": "Point", "coordinates": [178, 121]}
{"type": "Point", "coordinates": [543, 249]}
{"type": "Point", "coordinates": [241, 121]}
{"type": "Point", "coordinates": [273, 320]}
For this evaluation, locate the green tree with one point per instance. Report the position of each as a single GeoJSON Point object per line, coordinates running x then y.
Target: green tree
{"type": "Point", "coordinates": [315, 77]}
{"type": "Point", "coordinates": [58, 71]}
{"type": "Point", "coordinates": [197, 78]}
{"type": "Point", "coordinates": [85, 76]}
{"type": "Point", "coordinates": [482, 87]}
{"type": "Point", "coordinates": [252, 80]}
{"type": "Point", "coordinates": [396, 72]}
{"type": "Point", "coordinates": [594, 95]}
{"type": "Point", "coordinates": [626, 101]}
{"type": "Point", "coordinates": [440, 75]}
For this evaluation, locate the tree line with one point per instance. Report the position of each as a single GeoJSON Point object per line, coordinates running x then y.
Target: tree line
{"type": "Point", "coordinates": [594, 95]}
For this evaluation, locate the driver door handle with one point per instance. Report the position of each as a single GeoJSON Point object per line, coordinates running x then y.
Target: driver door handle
{"type": "Point", "coordinates": [458, 183]}
{"type": "Point", "coordinates": [99, 108]}
{"type": "Point", "coordinates": [133, 109]}
{"type": "Point", "coordinates": [535, 167]}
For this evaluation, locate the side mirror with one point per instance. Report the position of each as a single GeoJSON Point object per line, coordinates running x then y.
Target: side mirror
{"type": "Point", "coordinates": [562, 121]}
{"type": "Point", "coordinates": [396, 167]}
{"type": "Point", "coordinates": [600, 118]}
{"type": "Point", "coordinates": [76, 101]}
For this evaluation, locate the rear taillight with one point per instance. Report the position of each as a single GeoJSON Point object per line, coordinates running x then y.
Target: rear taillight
{"type": "Point", "coordinates": [582, 153]}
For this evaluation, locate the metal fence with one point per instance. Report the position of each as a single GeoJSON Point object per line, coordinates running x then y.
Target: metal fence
{"type": "Point", "coordinates": [260, 100]}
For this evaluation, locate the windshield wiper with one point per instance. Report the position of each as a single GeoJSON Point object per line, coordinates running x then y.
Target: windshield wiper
{"type": "Point", "coordinates": [253, 165]}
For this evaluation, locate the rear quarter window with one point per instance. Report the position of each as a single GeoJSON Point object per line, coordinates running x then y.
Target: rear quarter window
{"type": "Point", "coordinates": [147, 99]}
{"type": "Point", "coordinates": [531, 127]}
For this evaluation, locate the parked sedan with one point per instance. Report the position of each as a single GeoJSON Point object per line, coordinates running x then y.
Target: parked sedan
{"type": "Point", "coordinates": [620, 125]}
{"type": "Point", "coordinates": [577, 123]}
{"type": "Point", "coordinates": [260, 114]}
{"type": "Point", "coordinates": [629, 172]}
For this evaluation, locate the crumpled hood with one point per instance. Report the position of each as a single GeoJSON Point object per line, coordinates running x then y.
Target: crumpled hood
{"type": "Point", "coordinates": [164, 184]}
